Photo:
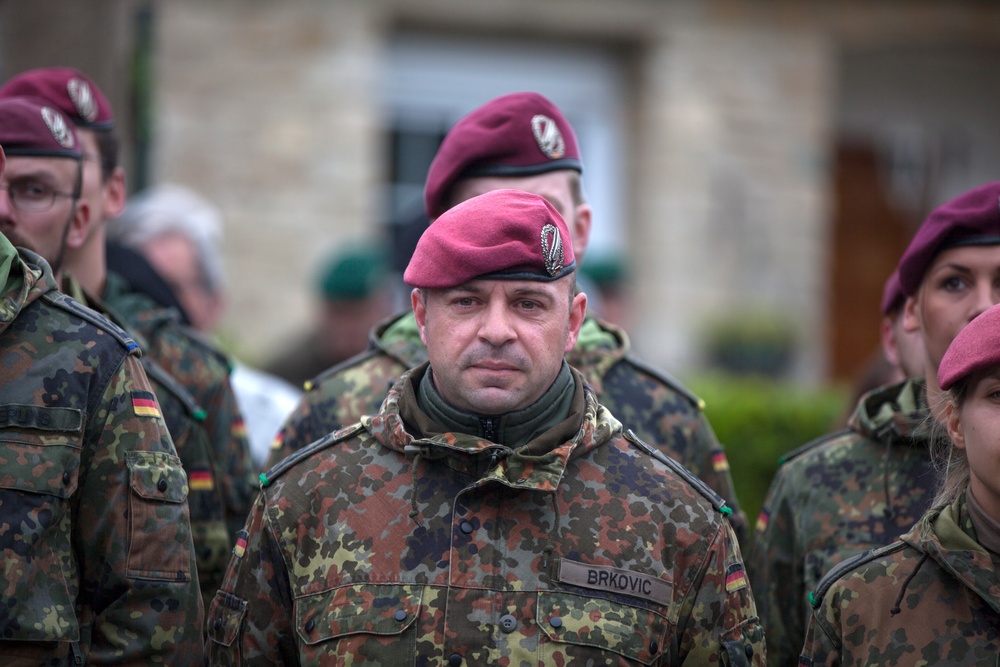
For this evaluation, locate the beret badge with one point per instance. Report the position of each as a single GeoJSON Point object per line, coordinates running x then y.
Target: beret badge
{"type": "Point", "coordinates": [83, 99]}
{"type": "Point", "coordinates": [552, 249]}
{"type": "Point", "coordinates": [57, 126]}
{"type": "Point", "coordinates": [547, 135]}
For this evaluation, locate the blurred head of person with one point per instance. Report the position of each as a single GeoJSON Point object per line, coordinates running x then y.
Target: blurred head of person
{"type": "Point", "coordinates": [903, 348]}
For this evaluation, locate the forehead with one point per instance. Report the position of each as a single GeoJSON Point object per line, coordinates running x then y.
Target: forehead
{"type": "Point", "coordinates": [88, 141]}
{"type": "Point", "coordinates": [58, 168]}
{"type": "Point", "coordinates": [972, 256]}
{"type": "Point", "coordinates": [509, 288]}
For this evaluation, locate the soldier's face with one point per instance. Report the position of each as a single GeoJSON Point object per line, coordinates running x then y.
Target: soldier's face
{"type": "Point", "coordinates": [975, 427]}
{"type": "Point", "coordinates": [495, 346]}
{"type": "Point", "coordinates": [556, 186]}
{"type": "Point", "coordinates": [959, 285]}
{"type": "Point", "coordinates": [45, 232]}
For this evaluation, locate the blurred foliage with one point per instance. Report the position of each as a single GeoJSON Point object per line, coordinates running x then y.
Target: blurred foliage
{"type": "Point", "coordinates": [756, 342]}
{"type": "Point", "coordinates": [758, 420]}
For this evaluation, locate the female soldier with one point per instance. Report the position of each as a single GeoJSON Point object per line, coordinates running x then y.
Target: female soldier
{"type": "Point", "coordinates": [934, 596]}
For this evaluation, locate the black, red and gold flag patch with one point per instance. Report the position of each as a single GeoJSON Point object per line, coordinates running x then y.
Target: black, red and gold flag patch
{"type": "Point", "coordinates": [144, 403]}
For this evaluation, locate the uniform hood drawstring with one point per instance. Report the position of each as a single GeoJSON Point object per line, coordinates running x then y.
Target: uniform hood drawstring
{"type": "Point", "coordinates": [899, 600]}
{"type": "Point", "coordinates": [888, 512]}
{"type": "Point", "coordinates": [412, 491]}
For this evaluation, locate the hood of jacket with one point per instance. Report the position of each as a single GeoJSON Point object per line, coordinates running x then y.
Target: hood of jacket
{"type": "Point", "coordinates": [895, 414]}
{"type": "Point", "coordinates": [540, 464]}
{"type": "Point", "coordinates": [945, 534]}
{"type": "Point", "coordinates": [25, 277]}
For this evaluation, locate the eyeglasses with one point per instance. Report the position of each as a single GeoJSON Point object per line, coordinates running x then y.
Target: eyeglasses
{"type": "Point", "coordinates": [32, 196]}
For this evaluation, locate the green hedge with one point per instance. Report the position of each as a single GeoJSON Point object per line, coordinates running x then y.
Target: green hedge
{"type": "Point", "coordinates": [758, 420]}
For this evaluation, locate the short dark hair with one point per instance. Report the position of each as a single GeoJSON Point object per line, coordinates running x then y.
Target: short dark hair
{"type": "Point", "coordinates": [108, 145]}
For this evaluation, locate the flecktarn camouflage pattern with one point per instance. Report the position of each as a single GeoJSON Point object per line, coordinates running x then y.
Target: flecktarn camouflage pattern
{"type": "Point", "coordinates": [933, 598]}
{"type": "Point", "coordinates": [839, 496]}
{"type": "Point", "coordinates": [377, 547]}
{"type": "Point", "coordinates": [655, 406]}
{"type": "Point", "coordinates": [204, 372]}
{"type": "Point", "coordinates": [94, 526]}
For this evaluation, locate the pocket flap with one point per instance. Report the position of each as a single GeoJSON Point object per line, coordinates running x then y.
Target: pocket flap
{"type": "Point", "coordinates": [157, 476]}
{"type": "Point", "coordinates": [633, 632]}
{"type": "Point", "coordinates": [378, 609]}
{"type": "Point", "coordinates": [225, 617]}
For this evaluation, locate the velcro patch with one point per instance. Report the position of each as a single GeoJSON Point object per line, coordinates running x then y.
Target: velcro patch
{"type": "Point", "coordinates": [615, 580]}
{"type": "Point", "coordinates": [241, 543]}
{"type": "Point", "coordinates": [144, 403]}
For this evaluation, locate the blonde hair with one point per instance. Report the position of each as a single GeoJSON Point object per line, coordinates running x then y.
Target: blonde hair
{"type": "Point", "coordinates": [951, 461]}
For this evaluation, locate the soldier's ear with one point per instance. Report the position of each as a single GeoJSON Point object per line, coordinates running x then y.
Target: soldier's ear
{"type": "Point", "coordinates": [419, 304]}
{"type": "Point", "coordinates": [79, 225]}
{"type": "Point", "coordinates": [953, 422]}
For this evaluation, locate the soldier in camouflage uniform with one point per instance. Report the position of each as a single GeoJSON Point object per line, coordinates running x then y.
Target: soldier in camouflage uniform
{"type": "Point", "coordinates": [932, 598]}
{"type": "Point", "coordinates": [862, 488]}
{"type": "Point", "coordinates": [95, 536]}
{"type": "Point", "coordinates": [51, 233]}
{"type": "Point", "coordinates": [493, 512]}
{"type": "Point", "coordinates": [520, 141]}
{"type": "Point", "coordinates": [193, 363]}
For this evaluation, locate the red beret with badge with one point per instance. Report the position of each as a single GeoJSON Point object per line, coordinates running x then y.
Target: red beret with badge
{"type": "Point", "coordinates": [31, 127]}
{"type": "Point", "coordinates": [73, 92]}
{"type": "Point", "coordinates": [499, 235]}
{"type": "Point", "coordinates": [972, 218]}
{"type": "Point", "coordinates": [520, 134]}
{"type": "Point", "coordinates": [975, 348]}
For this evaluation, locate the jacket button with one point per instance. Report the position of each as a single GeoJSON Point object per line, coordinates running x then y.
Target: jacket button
{"type": "Point", "coordinates": [162, 486]}
{"type": "Point", "coordinates": [749, 650]}
{"type": "Point", "coordinates": [400, 616]}
{"type": "Point", "coordinates": [218, 622]}
{"type": "Point", "coordinates": [555, 622]}
{"type": "Point", "coordinates": [454, 660]}
{"type": "Point", "coordinates": [466, 527]}
{"type": "Point", "coordinates": [508, 623]}
{"type": "Point", "coordinates": [654, 648]}
{"type": "Point", "coordinates": [66, 478]}
{"type": "Point", "coordinates": [310, 625]}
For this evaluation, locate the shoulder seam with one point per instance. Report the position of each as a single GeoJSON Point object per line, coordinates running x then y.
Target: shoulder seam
{"type": "Point", "coordinates": [279, 468]}
{"type": "Point", "coordinates": [70, 305]}
{"type": "Point", "coordinates": [838, 571]}
{"type": "Point", "coordinates": [826, 437]}
{"type": "Point", "coordinates": [715, 499]}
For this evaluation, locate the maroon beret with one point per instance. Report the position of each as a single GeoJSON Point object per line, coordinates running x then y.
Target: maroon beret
{"type": "Point", "coordinates": [972, 218]}
{"type": "Point", "coordinates": [29, 126]}
{"type": "Point", "coordinates": [73, 92]}
{"type": "Point", "coordinates": [892, 294]}
{"type": "Point", "coordinates": [499, 235]}
{"type": "Point", "coordinates": [975, 348]}
{"type": "Point", "coordinates": [520, 134]}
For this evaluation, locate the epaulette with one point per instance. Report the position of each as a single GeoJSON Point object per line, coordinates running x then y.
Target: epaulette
{"type": "Point", "coordinates": [666, 379]}
{"type": "Point", "coordinates": [279, 468]}
{"type": "Point", "coordinates": [813, 444]}
{"type": "Point", "coordinates": [840, 569]}
{"type": "Point", "coordinates": [715, 499]}
{"type": "Point", "coordinates": [336, 368]}
{"type": "Point", "coordinates": [64, 302]}
{"type": "Point", "coordinates": [155, 372]}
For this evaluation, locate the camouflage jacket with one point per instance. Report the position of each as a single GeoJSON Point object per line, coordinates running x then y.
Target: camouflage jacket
{"type": "Point", "coordinates": [654, 405]}
{"type": "Point", "coordinates": [838, 496]}
{"type": "Point", "coordinates": [95, 537]}
{"type": "Point", "coordinates": [204, 372]}
{"type": "Point", "coordinates": [185, 420]}
{"type": "Point", "coordinates": [378, 546]}
{"type": "Point", "coordinates": [933, 598]}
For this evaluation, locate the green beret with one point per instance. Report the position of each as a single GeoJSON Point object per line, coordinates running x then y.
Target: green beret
{"type": "Point", "coordinates": [353, 274]}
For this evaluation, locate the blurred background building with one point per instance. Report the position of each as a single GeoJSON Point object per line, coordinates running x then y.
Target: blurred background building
{"type": "Point", "coordinates": [758, 166]}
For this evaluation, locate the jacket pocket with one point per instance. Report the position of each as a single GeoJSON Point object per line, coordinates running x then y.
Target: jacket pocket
{"type": "Point", "coordinates": [160, 527]}
{"type": "Point", "coordinates": [372, 620]}
{"type": "Point", "coordinates": [593, 628]}
{"type": "Point", "coordinates": [39, 473]}
{"type": "Point", "coordinates": [225, 618]}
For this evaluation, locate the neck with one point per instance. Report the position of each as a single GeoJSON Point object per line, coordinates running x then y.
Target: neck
{"type": "Point", "coordinates": [88, 264]}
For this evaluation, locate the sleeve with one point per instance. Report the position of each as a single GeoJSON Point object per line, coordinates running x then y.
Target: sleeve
{"type": "Point", "coordinates": [776, 573]}
{"type": "Point", "coordinates": [139, 586]}
{"type": "Point", "coordinates": [298, 431]}
{"type": "Point", "coordinates": [823, 642]}
{"type": "Point", "coordinates": [719, 620]}
{"type": "Point", "coordinates": [233, 462]}
{"type": "Point", "coordinates": [713, 469]}
{"type": "Point", "coordinates": [249, 621]}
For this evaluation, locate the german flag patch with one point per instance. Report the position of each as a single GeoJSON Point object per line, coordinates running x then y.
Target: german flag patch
{"type": "Point", "coordinates": [736, 578]}
{"type": "Point", "coordinates": [719, 461]}
{"type": "Point", "coordinates": [144, 403]}
{"type": "Point", "coordinates": [201, 480]}
{"type": "Point", "coordinates": [279, 441]}
{"type": "Point", "coordinates": [239, 429]}
{"type": "Point", "coordinates": [241, 543]}
{"type": "Point", "coordinates": [763, 519]}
